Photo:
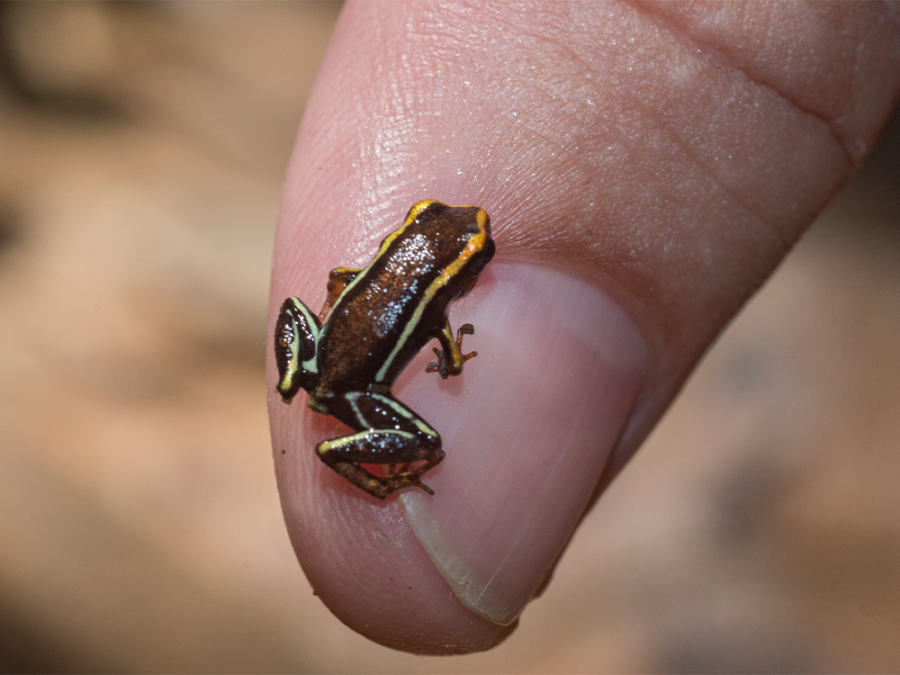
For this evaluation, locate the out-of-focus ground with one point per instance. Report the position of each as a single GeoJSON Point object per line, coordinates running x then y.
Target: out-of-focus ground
{"type": "Point", "coordinates": [141, 153]}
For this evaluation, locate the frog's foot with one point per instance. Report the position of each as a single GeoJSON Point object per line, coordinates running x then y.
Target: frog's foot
{"type": "Point", "coordinates": [381, 486]}
{"type": "Point", "coordinates": [356, 457]}
{"type": "Point", "coordinates": [375, 486]}
{"type": "Point", "coordinates": [407, 479]}
{"type": "Point", "coordinates": [441, 366]}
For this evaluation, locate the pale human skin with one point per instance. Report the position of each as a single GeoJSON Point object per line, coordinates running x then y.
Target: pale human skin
{"type": "Point", "coordinates": [645, 166]}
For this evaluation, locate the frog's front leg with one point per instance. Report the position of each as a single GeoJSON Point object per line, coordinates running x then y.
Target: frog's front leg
{"type": "Point", "coordinates": [450, 358]}
{"type": "Point", "coordinates": [389, 434]}
{"type": "Point", "coordinates": [338, 280]}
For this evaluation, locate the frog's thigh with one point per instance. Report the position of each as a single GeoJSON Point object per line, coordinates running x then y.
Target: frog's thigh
{"type": "Point", "coordinates": [372, 447]}
{"type": "Point", "coordinates": [372, 410]}
{"type": "Point", "coordinates": [387, 432]}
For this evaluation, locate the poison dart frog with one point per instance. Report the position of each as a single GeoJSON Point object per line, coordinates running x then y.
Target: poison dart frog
{"type": "Point", "coordinates": [373, 322]}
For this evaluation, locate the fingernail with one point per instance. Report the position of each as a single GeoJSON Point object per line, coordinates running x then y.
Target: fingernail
{"type": "Point", "coordinates": [527, 428]}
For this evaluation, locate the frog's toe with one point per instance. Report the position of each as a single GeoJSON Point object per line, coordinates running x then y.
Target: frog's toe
{"type": "Point", "coordinates": [408, 479]}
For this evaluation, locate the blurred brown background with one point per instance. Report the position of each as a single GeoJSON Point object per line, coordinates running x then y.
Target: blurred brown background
{"type": "Point", "coordinates": [141, 153]}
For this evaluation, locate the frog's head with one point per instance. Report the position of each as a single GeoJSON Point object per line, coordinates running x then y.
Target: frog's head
{"type": "Point", "coordinates": [476, 247]}
{"type": "Point", "coordinates": [457, 240]}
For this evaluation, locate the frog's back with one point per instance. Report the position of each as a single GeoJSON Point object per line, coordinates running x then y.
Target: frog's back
{"type": "Point", "coordinates": [398, 303]}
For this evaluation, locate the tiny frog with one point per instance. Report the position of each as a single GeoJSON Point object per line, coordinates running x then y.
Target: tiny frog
{"type": "Point", "coordinates": [373, 322]}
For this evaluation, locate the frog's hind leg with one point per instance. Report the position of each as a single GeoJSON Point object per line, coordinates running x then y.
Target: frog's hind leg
{"type": "Point", "coordinates": [388, 433]}
{"type": "Point", "coordinates": [346, 455]}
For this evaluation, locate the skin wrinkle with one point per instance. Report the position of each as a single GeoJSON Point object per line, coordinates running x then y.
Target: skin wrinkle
{"type": "Point", "coordinates": [783, 242]}
{"type": "Point", "coordinates": [681, 30]}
